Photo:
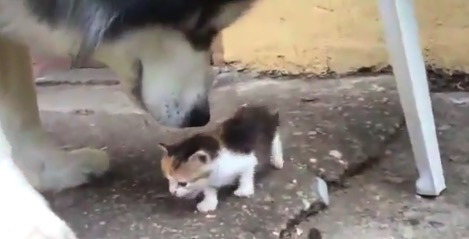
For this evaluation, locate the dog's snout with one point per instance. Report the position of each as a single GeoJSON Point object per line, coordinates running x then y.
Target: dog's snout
{"type": "Point", "coordinates": [198, 116]}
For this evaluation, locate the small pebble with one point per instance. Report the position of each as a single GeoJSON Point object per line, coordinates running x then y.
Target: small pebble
{"type": "Point", "coordinates": [407, 233]}
{"type": "Point", "coordinates": [444, 127]}
{"type": "Point", "coordinates": [413, 221]}
{"type": "Point", "coordinates": [394, 179]}
{"type": "Point", "coordinates": [314, 233]}
{"type": "Point", "coordinates": [383, 226]}
{"type": "Point", "coordinates": [335, 154]}
{"type": "Point", "coordinates": [342, 162]}
{"type": "Point", "coordinates": [269, 199]}
{"type": "Point", "coordinates": [436, 224]}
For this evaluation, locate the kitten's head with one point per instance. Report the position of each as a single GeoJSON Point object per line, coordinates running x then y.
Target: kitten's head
{"type": "Point", "coordinates": [188, 164]}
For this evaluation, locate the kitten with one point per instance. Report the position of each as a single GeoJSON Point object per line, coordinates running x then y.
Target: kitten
{"type": "Point", "coordinates": [208, 161]}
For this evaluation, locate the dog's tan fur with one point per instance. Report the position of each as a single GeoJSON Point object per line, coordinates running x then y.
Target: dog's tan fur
{"type": "Point", "coordinates": [29, 160]}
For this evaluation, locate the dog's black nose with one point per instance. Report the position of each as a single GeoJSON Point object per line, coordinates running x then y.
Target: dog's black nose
{"type": "Point", "coordinates": [198, 116]}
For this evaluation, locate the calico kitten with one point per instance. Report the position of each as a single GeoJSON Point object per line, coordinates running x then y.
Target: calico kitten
{"type": "Point", "coordinates": [208, 161]}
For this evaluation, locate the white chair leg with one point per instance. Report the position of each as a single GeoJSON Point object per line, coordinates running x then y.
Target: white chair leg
{"type": "Point", "coordinates": [401, 34]}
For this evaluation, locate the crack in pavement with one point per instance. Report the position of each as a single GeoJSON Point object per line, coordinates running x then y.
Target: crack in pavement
{"type": "Point", "coordinates": [316, 207]}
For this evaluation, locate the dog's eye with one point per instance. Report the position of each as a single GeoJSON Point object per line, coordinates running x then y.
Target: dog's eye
{"type": "Point", "coordinates": [182, 184]}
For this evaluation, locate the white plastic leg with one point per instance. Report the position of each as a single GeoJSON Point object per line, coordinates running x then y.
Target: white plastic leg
{"type": "Point", "coordinates": [401, 36]}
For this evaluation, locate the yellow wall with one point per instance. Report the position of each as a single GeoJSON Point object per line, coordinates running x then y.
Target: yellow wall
{"type": "Point", "coordinates": [313, 35]}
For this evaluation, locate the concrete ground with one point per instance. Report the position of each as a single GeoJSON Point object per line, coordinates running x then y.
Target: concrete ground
{"type": "Point", "coordinates": [350, 131]}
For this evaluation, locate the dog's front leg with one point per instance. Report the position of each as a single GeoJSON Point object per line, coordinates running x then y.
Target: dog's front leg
{"type": "Point", "coordinates": [24, 212]}
{"type": "Point", "coordinates": [28, 159]}
{"type": "Point", "coordinates": [45, 165]}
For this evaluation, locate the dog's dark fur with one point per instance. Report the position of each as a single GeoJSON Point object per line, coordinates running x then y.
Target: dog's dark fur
{"type": "Point", "coordinates": [159, 50]}
{"type": "Point", "coordinates": [106, 20]}
{"type": "Point", "coordinates": [123, 33]}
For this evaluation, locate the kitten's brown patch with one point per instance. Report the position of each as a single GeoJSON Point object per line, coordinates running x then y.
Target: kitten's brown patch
{"type": "Point", "coordinates": [185, 160]}
{"type": "Point", "coordinates": [248, 127]}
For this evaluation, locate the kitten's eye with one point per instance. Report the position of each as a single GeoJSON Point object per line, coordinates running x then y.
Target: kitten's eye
{"type": "Point", "coordinates": [203, 158]}
{"type": "Point", "coordinates": [182, 184]}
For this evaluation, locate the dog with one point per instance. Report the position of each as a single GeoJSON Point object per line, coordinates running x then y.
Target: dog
{"type": "Point", "coordinates": [159, 49]}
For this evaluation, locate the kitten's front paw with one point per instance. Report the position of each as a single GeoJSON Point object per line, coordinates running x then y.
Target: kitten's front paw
{"type": "Point", "coordinates": [207, 206]}
{"type": "Point", "coordinates": [244, 191]}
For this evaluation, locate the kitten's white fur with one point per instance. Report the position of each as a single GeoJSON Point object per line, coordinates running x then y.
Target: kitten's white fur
{"type": "Point", "coordinates": [225, 170]}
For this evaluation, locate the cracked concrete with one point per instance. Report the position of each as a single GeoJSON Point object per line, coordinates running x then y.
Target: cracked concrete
{"type": "Point", "coordinates": [330, 127]}
{"type": "Point", "coordinates": [380, 203]}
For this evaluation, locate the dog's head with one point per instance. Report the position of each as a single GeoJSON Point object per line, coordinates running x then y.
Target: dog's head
{"type": "Point", "coordinates": [160, 49]}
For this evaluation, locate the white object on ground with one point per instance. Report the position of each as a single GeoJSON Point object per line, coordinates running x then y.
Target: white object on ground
{"type": "Point", "coordinates": [321, 190]}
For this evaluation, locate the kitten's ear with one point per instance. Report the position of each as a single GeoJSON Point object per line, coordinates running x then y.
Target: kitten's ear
{"type": "Point", "coordinates": [200, 156]}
